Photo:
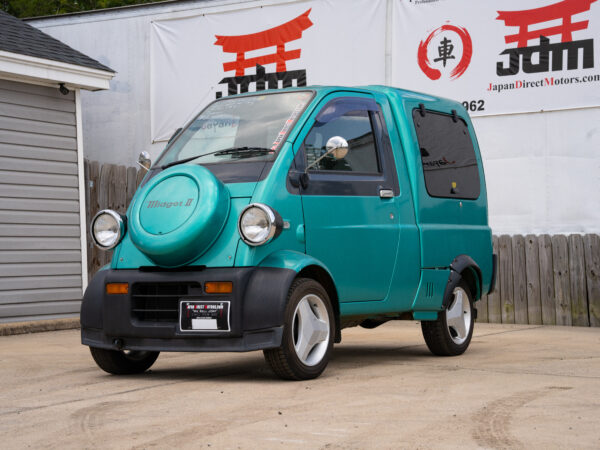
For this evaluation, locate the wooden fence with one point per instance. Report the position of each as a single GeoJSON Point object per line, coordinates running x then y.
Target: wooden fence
{"type": "Point", "coordinates": [545, 280]}
{"type": "Point", "coordinates": [108, 186]}
{"type": "Point", "coordinates": [541, 280]}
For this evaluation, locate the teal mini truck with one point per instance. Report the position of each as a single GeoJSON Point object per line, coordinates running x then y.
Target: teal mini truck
{"type": "Point", "coordinates": [273, 220]}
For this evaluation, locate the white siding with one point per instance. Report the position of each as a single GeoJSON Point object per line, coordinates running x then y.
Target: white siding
{"type": "Point", "coordinates": [40, 246]}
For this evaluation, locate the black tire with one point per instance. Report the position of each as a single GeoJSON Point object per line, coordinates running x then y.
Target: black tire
{"type": "Point", "coordinates": [119, 362]}
{"type": "Point", "coordinates": [442, 339]}
{"type": "Point", "coordinates": [285, 361]}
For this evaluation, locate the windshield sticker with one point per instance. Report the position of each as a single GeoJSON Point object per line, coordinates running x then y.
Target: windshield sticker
{"type": "Point", "coordinates": [236, 102]}
{"type": "Point", "coordinates": [288, 123]}
{"type": "Point", "coordinates": [220, 126]}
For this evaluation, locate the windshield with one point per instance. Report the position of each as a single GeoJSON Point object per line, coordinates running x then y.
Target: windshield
{"type": "Point", "coordinates": [249, 128]}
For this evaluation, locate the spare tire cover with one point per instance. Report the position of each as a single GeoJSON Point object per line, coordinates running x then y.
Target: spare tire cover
{"type": "Point", "coordinates": [178, 214]}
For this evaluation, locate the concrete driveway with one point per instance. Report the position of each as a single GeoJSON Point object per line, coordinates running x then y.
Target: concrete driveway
{"type": "Point", "coordinates": [516, 387]}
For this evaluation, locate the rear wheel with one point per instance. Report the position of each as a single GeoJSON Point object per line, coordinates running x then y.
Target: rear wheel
{"type": "Point", "coordinates": [308, 333]}
{"type": "Point", "coordinates": [123, 362]}
{"type": "Point", "coordinates": [451, 333]}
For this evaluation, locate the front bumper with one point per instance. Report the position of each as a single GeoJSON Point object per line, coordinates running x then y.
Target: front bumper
{"type": "Point", "coordinates": [147, 318]}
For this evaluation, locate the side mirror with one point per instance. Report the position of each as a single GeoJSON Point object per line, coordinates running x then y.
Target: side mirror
{"type": "Point", "coordinates": [144, 160]}
{"type": "Point", "coordinates": [336, 146]}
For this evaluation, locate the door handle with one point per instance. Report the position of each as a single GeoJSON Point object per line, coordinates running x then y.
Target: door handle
{"type": "Point", "coordinates": [386, 193]}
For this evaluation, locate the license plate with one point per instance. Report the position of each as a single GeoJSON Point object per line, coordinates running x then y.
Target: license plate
{"type": "Point", "coordinates": [203, 316]}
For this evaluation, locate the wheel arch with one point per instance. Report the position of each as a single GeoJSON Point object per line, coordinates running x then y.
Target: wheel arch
{"type": "Point", "coordinates": [306, 266]}
{"type": "Point", "coordinates": [469, 271]}
{"type": "Point", "coordinates": [321, 276]}
{"type": "Point", "coordinates": [473, 280]}
{"type": "Point", "coordinates": [463, 267]}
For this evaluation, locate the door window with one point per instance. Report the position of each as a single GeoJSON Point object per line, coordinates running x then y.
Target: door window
{"type": "Point", "coordinates": [368, 166]}
{"type": "Point", "coordinates": [355, 126]}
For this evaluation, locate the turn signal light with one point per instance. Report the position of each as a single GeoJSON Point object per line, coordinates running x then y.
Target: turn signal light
{"type": "Point", "coordinates": [218, 287]}
{"type": "Point", "coordinates": [117, 288]}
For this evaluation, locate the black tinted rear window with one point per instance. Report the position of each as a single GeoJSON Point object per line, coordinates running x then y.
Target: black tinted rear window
{"type": "Point", "coordinates": [448, 156]}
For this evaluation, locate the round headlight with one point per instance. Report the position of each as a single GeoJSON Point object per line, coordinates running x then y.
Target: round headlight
{"type": "Point", "coordinates": [107, 229]}
{"type": "Point", "coordinates": [259, 224]}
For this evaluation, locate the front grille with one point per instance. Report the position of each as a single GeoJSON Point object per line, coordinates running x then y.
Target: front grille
{"type": "Point", "coordinates": [159, 302]}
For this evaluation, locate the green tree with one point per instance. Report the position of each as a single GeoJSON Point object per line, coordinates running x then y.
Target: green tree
{"type": "Point", "coordinates": [35, 8]}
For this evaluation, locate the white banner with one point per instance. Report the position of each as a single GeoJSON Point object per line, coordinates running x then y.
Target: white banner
{"type": "Point", "coordinates": [497, 57]}
{"type": "Point", "coordinates": [500, 57]}
{"type": "Point", "coordinates": [196, 59]}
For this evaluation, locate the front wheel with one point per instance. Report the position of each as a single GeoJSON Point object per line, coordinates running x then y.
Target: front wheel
{"type": "Point", "coordinates": [123, 362]}
{"type": "Point", "coordinates": [308, 332]}
{"type": "Point", "coordinates": [451, 333]}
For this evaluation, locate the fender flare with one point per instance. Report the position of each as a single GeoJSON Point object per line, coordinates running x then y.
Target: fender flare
{"type": "Point", "coordinates": [298, 264]}
{"type": "Point", "coordinates": [457, 267]}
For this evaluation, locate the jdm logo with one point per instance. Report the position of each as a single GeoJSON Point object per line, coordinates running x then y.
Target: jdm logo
{"type": "Point", "coordinates": [450, 48]}
{"type": "Point", "coordinates": [521, 56]}
{"type": "Point", "coordinates": [277, 38]}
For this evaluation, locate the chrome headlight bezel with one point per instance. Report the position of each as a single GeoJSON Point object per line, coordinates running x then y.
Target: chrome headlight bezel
{"type": "Point", "coordinates": [274, 220]}
{"type": "Point", "coordinates": [120, 227]}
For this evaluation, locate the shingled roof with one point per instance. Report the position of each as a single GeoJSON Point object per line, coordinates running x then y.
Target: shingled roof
{"type": "Point", "coordinates": [19, 37]}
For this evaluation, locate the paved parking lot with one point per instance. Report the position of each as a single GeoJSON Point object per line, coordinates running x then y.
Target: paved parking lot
{"type": "Point", "coordinates": [517, 387]}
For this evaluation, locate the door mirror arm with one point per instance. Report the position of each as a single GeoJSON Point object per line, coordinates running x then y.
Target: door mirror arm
{"type": "Point", "coordinates": [336, 146]}
{"type": "Point", "coordinates": [144, 160]}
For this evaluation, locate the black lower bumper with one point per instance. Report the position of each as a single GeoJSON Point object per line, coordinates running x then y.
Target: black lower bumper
{"type": "Point", "coordinates": [147, 317]}
{"type": "Point", "coordinates": [252, 340]}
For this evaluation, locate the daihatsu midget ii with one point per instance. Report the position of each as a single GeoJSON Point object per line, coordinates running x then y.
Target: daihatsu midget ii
{"type": "Point", "coordinates": [273, 220]}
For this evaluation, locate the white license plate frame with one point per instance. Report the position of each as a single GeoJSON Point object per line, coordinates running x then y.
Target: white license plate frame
{"type": "Point", "coordinates": [209, 316]}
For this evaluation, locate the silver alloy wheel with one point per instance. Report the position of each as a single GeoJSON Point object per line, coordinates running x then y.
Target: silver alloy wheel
{"type": "Point", "coordinates": [458, 316]}
{"type": "Point", "coordinates": [310, 330]}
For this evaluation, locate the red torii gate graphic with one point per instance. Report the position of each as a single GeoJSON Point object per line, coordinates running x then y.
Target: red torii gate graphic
{"type": "Point", "coordinates": [273, 37]}
{"type": "Point", "coordinates": [562, 10]}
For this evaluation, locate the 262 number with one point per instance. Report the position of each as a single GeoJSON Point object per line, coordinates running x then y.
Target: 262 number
{"type": "Point", "coordinates": [474, 105]}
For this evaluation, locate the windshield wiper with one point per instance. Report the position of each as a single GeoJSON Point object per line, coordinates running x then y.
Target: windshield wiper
{"type": "Point", "coordinates": [248, 151]}
{"type": "Point", "coordinates": [182, 161]}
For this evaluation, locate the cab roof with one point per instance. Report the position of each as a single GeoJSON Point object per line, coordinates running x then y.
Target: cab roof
{"type": "Point", "coordinates": [322, 90]}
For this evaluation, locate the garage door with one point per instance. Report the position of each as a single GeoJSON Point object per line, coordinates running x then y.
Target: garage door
{"type": "Point", "coordinates": [40, 249]}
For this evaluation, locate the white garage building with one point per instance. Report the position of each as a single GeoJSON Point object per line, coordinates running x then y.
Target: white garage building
{"type": "Point", "coordinates": [43, 267]}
